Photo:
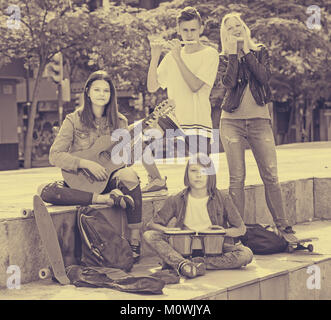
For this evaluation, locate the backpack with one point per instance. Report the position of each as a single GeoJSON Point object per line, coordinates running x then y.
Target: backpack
{"type": "Point", "coordinates": [262, 241]}
{"type": "Point", "coordinates": [103, 238]}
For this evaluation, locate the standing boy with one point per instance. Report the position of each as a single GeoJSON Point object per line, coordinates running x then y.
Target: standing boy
{"type": "Point", "coordinates": [188, 73]}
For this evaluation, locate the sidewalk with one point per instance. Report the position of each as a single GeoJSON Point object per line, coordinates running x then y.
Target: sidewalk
{"type": "Point", "coordinates": [278, 276]}
{"type": "Point", "coordinates": [305, 176]}
{"type": "Point", "coordinates": [295, 161]}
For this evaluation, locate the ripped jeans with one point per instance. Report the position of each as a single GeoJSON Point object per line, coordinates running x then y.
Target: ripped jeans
{"type": "Point", "coordinates": [125, 179]}
{"type": "Point", "coordinates": [233, 256]}
{"type": "Point", "coordinates": [258, 133]}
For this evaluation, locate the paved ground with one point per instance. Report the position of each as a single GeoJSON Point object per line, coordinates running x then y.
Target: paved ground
{"type": "Point", "coordinates": [295, 161]}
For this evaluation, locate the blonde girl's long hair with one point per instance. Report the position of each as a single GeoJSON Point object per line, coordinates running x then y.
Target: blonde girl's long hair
{"type": "Point", "coordinates": [224, 33]}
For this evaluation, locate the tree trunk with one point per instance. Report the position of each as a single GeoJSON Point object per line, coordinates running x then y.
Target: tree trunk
{"type": "Point", "coordinates": [289, 128]}
{"type": "Point", "coordinates": [32, 116]}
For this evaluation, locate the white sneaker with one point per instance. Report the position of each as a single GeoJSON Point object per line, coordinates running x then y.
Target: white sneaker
{"type": "Point", "coordinates": [155, 187]}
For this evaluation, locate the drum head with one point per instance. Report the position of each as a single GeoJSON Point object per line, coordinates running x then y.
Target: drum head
{"type": "Point", "coordinates": [211, 232]}
{"type": "Point", "coordinates": [180, 232]}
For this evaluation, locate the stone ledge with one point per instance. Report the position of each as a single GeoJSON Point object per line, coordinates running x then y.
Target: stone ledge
{"type": "Point", "coordinates": [278, 277]}
{"type": "Point", "coordinates": [305, 200]}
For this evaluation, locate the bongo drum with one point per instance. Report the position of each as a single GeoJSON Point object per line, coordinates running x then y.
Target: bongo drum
{"type": "Point", "coordinates": [212, 241]}
{"type": "Point", "coordinates": [181, 241]}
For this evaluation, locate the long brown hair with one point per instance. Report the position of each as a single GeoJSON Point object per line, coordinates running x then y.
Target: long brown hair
{"type": "Point", "coordinates": [206, 162]}
{"type": "Point", "coordinates": [111, 109]}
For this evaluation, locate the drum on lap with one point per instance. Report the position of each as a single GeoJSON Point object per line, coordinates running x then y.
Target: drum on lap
{"type": "Point", "coordinates": [181, 241]}
{"type": "Point", "coordinates": [212, 241]}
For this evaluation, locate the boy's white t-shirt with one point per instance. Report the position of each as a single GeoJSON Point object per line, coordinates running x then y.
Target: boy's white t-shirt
{"type": "Point", "coordinates": [197, 217]}
{"type": "Point", "coordinates": [193, 109]}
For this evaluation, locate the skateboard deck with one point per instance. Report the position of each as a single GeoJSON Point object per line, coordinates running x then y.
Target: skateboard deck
{"type": "Point", "coordinates": [49, 239]}
{"type": "Point", "coordinates": [298, 244]}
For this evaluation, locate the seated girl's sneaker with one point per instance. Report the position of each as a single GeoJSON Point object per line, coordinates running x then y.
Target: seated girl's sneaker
{"type": "Point", "coordinates": [155, 187]}
{"type": "Point", "coordinates": [123, 200]}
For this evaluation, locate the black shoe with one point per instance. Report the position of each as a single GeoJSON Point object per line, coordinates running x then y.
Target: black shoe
{"type": "Point", "coordinates": [288, 229]}
{"type": "Point", "coordinates": [123, 200]}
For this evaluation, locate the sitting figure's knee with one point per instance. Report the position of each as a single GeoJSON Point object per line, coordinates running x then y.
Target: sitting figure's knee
{"type": "Point", "coordinates": [151, 235]}
{"type": "Point", "coordinates": [128, 177]}
{"type": "Point", "coordinates": [248, 255]}
{"type": "Point", "coordinates": [41, 188]}
{"type": "Point", "coordinates": [49, 191]}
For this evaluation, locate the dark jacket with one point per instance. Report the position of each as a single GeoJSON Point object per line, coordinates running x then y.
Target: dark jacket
{"type": "Point", "coordinates": [253, 68]}
{"type": "Point", "coordinates": [220, 207]}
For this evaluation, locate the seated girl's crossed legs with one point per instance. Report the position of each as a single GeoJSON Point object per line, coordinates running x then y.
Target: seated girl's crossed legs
{"type": "Point", "coordinates": [123, 189]}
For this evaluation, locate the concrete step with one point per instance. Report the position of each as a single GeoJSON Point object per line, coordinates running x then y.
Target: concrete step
{"type": "Point", "coordinates": [305, 200]}
{"type": "Point", "coordinates": [298, 276]}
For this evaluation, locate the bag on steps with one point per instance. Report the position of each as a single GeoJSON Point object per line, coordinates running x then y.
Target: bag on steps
{"type": "Point", "coordinates": [103, 238]}
{"type": "Point", "coordinates": [262, 241]}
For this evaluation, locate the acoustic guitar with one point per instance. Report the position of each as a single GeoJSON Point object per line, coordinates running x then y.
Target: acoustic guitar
{"type": "Point", "coordinates": [108, 151]}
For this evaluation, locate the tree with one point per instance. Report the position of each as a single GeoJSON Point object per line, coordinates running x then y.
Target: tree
{"type": "Point", "coordinates": [300, 56]}
{"type": "Point", "coordinates": [45, 28]}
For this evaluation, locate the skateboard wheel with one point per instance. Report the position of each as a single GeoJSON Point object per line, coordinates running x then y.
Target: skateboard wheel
{"type": "Point", "coordinates": [45, 273]}
{"type": "Point", "coordinates": [26, 213]}
{"type": "Point", "coordinates": [310, 248]}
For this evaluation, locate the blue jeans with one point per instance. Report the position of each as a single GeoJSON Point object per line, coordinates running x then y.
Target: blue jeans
{"type": "Point", "coordinates": [258, 133]}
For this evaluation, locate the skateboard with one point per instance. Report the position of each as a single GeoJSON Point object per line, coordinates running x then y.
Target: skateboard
{"type": "Point", "coordinates": [298, 244]}
{"type": "Point", "coordinates": [50, 241]}
{"type": "Point", "coordinates": [27, 213]}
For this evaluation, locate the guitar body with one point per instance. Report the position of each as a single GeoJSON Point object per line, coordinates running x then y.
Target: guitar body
{"type": "Point", "coordinates": [108, 153]}
{"type": "Point", "coordinates": [83, 179]}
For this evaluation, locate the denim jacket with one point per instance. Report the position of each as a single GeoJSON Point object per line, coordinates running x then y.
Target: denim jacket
{"type": "Point", "coordinates": [74, 136]}
{"type": "Point", "coordinates": [220, 207]}
{"type": "Point", "coordinates": [253, 68]}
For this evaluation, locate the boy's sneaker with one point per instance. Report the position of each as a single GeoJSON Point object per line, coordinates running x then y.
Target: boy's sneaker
{"type": "Point", "coordinates": [155, 187]}
{"type": "Point", "coordinates": [188, 269]}
{"type": "Point", "coordinates": [288, 229]}
{"type": "Point", "coordinates": [135, 252]}
{"type": "Point", "coordinates": [191, 269]}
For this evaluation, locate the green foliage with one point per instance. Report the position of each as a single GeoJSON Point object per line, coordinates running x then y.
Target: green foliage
{"type": "Point", "coordinates": [299, 56]}
{"type": "Point", "coordinates": [116, 40]}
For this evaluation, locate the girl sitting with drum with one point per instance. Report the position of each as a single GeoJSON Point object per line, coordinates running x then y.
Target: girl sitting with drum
{"type": "Point", "coordinates": [198, 212]}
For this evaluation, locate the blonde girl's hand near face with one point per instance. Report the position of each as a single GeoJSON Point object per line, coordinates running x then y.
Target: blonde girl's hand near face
{"type": "Point", "coordinates": [246, 43]}
{"type": "Point", "coordinates": [231, 44]}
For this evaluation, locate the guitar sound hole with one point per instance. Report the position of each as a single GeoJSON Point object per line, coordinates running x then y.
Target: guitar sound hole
{"type": "Point", "coordinates": [106, 155]}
